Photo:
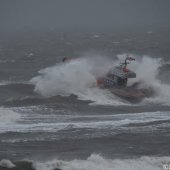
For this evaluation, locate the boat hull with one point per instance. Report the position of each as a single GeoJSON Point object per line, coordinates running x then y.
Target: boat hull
{"type": "Point", "coordinates": [132, 95]}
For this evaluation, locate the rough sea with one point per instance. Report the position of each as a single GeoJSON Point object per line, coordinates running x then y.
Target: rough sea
{"type": "Point", "coordinates": [54, 117]}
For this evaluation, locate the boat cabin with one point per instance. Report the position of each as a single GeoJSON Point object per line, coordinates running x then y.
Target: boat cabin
{"type": "Point", "coordinates": [118, 76]}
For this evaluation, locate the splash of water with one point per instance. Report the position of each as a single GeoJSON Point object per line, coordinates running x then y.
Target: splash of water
{"type": "Point", "coordinates": [147, 70]}
{"type": "Point", "coordinates": [78, 77]}
{"type": "Point", "coordinates": [97, 162]}
{"type": "Point", "coordinates": [6, 163]}
{"type": "Point", "coordinates": [8, 116]}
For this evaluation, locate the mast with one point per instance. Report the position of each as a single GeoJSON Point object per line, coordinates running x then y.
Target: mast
{"type": "Point", "coordinates": [126, 61]}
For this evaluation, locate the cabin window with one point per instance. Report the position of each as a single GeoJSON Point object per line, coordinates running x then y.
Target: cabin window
{"type": "Point", "coordinates": [121, 81]}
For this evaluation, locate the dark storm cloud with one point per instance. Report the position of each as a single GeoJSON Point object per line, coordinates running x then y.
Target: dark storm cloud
{"type": "Point", "coordinates": [83, 14]}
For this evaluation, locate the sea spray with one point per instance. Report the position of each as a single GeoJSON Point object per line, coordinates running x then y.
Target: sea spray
{"type": "Point", "coordinates": [97, 162]}
{"type": "Point", "coordinates": [8, 116]}
{"type": "Point", "coordinates": [147, 71]}
{"type": "Point", "coordinates": [64, 79]}
{"type": "Point", "coordinates": [6, 163]}
{"type": "Point", "coordinates": [78, 76]}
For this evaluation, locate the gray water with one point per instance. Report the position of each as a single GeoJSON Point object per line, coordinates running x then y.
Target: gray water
{"type": "Point", "coordinates": [67, 127]}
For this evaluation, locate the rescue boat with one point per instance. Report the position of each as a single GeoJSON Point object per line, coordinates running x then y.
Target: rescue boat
{"type": "Point", "coordinates": [116, 81]}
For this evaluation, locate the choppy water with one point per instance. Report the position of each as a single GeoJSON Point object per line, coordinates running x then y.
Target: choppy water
{"type": "Point", "coordinates": [52, 115]}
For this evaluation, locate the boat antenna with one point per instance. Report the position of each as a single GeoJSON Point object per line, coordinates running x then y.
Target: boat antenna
{"type": "Point", "coordinates": [125, 63]}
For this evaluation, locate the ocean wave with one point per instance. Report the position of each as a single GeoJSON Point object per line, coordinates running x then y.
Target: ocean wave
{"type": "Point", "coordinates": [78, 77]}
{"type": "Point", "coordinates": [8, 116]}
{"type": "Point", "coordinates": [6, 164]}
{"type": "Point", "coordinates": [108, 122]}
{"type": "Point", "coordinates": [4, 82]}
{"type": "Point", "coordinates": [94, 162]}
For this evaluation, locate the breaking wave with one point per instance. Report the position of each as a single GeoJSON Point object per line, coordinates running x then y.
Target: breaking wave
{"type": "Point", "coordinates": [97, 162]}
{"type": "Point", "coordinates": [2, 83]}
{"type": "Point", "coordinates": [93, 162]}
{"type": "Point", "coordinates": [78, 76]}
{"type": "Point", "coordinates": [51, 124]}
{"type": "Point", "coordinates": [147, 70]}
{"type": "Point", "coordinates": [8, 116]}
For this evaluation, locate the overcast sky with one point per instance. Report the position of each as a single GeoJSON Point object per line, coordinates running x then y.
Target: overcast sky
{"type": "Point", "coordinates": [83, 14]}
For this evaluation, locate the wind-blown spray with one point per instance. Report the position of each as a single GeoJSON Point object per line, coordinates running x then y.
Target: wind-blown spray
{"type": "Point", "coordinates": [78, 76]}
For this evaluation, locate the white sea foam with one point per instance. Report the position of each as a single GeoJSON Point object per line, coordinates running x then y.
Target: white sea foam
{"type": "Point", "coordinates": [147, 70]}
{"type": "Point", "coordinates": [76, 77]}
{"type": "Point", "coordinates": [8, 116]}
{"type": "Point", "coordinates": [105, 122]}
{"type": "Point", "coordinates": [6, 163]}
{"type": "Point", "coordinates": [79, 77]}
{"type": "Point", "coordinates": [162, 97]}
{"type": "Point", "coordinates": [97, 162]}
{"type": "Point", "coordinates": [4, 82]}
